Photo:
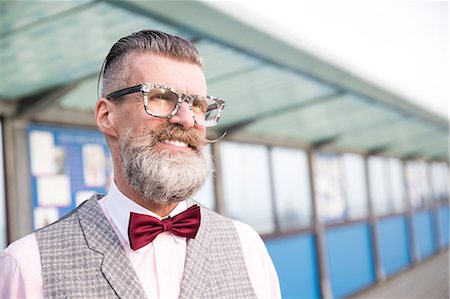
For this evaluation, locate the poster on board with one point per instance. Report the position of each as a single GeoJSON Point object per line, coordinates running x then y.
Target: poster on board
{"type": "Point", "coordinates": [67, 166]}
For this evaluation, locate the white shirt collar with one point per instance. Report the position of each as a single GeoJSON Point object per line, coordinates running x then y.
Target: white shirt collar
{"type": "Point", "coordinates": [119, 207]}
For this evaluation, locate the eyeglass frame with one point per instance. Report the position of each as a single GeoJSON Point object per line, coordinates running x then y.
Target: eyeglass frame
{"type": "Point", "coordinates": [182, 97]}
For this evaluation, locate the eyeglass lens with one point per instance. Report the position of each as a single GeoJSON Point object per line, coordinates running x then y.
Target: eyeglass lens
{"type": "Point", "coordinates": [162, 102]}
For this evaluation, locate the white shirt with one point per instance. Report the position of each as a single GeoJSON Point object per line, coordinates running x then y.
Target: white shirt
{"type": "Point", "coordinates": [158, 265]}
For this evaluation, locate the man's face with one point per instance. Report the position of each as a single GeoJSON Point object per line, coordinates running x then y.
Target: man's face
{"type": "Point", "coordinates": [183, 77]}
{"type": "Point", "coordinates": [162, 159]}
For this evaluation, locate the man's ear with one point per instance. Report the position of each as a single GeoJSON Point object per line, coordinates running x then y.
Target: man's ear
{"type": "Point", "coordinates": [104, 117]}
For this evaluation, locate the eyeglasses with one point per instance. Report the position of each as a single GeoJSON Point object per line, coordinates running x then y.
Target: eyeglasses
{"type": "Point", "coordinates": [164, 102]}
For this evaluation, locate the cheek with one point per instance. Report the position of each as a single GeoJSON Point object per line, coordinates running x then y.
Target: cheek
{"type": "Point", "coordinates": [146, 123]}
{"type": "Point", "coordinates": [201, 130]}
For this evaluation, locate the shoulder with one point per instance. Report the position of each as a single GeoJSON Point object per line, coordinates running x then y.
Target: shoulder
{"type": "Point", "coordinates": [247, 235]}
{"type": "Point", "coordinates": [261, 270]}
{"type": "Point", "coordinates": [246, 230]}
{"type": "Point", "coordinates": [250, 239]}
{"type": "Point", "coordinates": [22, 248]}
{"type": "Point", "coordinates": [21, 261]}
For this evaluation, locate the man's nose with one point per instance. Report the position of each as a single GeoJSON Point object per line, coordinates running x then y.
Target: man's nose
{"type": "Point", "coordinates": [183, 117]}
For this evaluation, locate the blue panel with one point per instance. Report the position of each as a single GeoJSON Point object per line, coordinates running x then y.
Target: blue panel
{"type": "Point", "coordinates": [295, 261]}
{"type": "Point", "coordinates": [444, 225]}
{"type": "Point", "coordinates": [350, 259]}
{"type": "Point", "coordinates": [424, 234]}
{"type": "Point", "coordinates": [394, 244]}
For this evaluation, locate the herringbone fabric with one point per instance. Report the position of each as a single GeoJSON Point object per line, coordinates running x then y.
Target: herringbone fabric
{"type": "Point", "coordinates": [82, 257]}
{"type": "Point", "coordinates": [215, 265]}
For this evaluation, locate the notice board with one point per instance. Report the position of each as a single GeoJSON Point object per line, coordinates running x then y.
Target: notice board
{"type": "Point", "coordinates": [67, 166]}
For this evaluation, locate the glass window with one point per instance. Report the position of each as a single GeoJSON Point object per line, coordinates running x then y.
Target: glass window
{"type": "Point", "coordinates": [439, 180]}
{"type": "Point", "coordinates": [417, 182]}
{"type": "Point", "coordinates": [397, 184]}
{"type": "Point", "coordinates": [292, 187]}
{"type": "Point", "coordinates": [328, 188]}
{"type": "Point", "coordinates": [379, 188]}
{"type": "Point", "coordinates": [354, 182]}
{"type": "Point", "coordinates": [246, 184]}
{"type": "Point", "coordinates": [205, 195]}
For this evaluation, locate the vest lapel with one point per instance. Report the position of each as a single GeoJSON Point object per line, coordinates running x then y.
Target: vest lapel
{"type": "Point", "coordinates": [196, 270]}
{"type": "Point", "coordinates": [101, 238]}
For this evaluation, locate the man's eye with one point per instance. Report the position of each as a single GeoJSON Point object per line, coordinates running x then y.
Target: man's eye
{"type": "Point", "coordinates": [200, 106]}
{"type": "Point", "coordinates": [161, 97]}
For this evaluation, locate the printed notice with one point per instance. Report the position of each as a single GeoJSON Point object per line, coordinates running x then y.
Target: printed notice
{"type": "Point", "coordinates": [53, 191]}
{"type": "Point", "coordinates": [94, 164]}
{"type": "Point", "coordinates": [44, 216]}
{"type": "Point", "coordinates": [42, 153]}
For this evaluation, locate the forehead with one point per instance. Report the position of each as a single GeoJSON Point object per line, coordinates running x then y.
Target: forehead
{"type": "Point", "coordinates": [183, 77]}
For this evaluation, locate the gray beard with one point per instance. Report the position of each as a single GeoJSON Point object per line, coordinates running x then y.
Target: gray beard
{"type": "Point", "coordinates": [162, 176]}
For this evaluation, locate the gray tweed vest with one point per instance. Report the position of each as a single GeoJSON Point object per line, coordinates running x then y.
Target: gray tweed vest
{"type": "Point", "coordinates": [82, 257]}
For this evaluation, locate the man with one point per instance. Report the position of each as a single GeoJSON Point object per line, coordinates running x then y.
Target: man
{"type": "Point", "coordinates": [146, 237]}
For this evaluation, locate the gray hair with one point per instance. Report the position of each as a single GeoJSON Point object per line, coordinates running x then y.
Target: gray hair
{"type": "Point", "coordinates": [163, 176]}
{"type": "Point", "coordinates": [116, 68]}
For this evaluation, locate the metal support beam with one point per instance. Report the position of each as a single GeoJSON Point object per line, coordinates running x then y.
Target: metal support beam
{"type": "Point", "coordinates": [8, 107]}
{"type": "Point", "coordinates": [435, 212]}
{"type": "Point", "coordinates": [319, 233]}
{"type": "Point", "coordinates": [414, 253]}
{"type": "Point", "coordinates": [218, 179]}
{"type": "Point", "coordinates": [273, 195]}
{"type": "Point", "coordinates": [324, 142]}
{"type": "Point", "coordinates": [32, 106]}
{"type": "Point", "coordinates": [374, 234]}
{"type": "Point", "coordinates": [377, 150]}
{"type": "Point", "coordinates": [17, 183]}
{"type": "Point", "coordinates": [60, 116]}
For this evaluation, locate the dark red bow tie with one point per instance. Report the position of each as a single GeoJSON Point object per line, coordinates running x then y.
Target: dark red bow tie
{"type": "Point", "coordinates": [143, 229]}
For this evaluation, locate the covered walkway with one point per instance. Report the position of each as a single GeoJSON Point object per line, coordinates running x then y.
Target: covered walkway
{"type": "Point", "coordinates": [427, 280]}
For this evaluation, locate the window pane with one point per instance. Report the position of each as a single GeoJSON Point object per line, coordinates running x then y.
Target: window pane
{"type": "Point", "coordinates": [205, 195]}
{"type": "Point", "coordinates": [247, 185]}
{"type": "Point", "coordinates": [292, 189]}
{"type": "Point", "coordinates": [330, 202]}
{"type": "Point", "coordinates": [417, 181]}
{"type": "Point", "coordinates": [354, 181]}
{"type": "Point", "coordinates": [378, 186]}
{"type": "Point", "coordinates": [439, 176]}
{"type": "Point", "coordinates": [397, 181]}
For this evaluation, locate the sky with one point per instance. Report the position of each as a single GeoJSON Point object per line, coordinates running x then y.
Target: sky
{"type": "Point", "coordinates": [401, 46]}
